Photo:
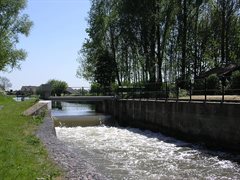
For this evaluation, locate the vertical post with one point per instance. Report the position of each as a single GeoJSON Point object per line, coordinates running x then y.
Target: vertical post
{"type": "Point", "coordinates": [223, 93]}
{"type": "Point", "coordinates": [156, 72]}
{"type": "Point", "coordinates": [82, 91]}
{"type": "Point", "coordinates": [122, 92]}
{"type": "Point", "coordinates": [166, 91]}
{"type": "Point", "coordinates": [190, 90]}
{"type": "Point", "coordinates": [140, 94]}
{"type": "Point", "coordinates": [205, 89]}
{"type": "Point", "coordinates": [223, 80]}
{"type": "Point", "coordinates": [177, 92]}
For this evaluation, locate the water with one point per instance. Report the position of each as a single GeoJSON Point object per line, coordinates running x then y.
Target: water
{"type": "Point", "coordinates": [128, 153]}
{"type": "Point", "coordinates": [76, 114]}
{"type": "Point", "coordinates": [21, 98]}
{"type": "Point", "coordinates": [72, 109]}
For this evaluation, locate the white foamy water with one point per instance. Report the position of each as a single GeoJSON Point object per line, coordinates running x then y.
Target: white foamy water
{"type": "Point", "coordinates": [127, 153]}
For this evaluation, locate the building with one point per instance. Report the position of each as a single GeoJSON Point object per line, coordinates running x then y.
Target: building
{"type": "Point", "coordinates": [29, 90]}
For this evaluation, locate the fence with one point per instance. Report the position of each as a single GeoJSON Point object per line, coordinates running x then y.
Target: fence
{"type": "Point", "coordinates": [200, 90]}
{"type": "Point", "coordinates": [197, 91]}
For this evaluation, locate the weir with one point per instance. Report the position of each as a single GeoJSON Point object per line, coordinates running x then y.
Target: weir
{"type": "Point", "coordinates": [216, 124]}
{"type": "Point", "coordinates": [130, 153]}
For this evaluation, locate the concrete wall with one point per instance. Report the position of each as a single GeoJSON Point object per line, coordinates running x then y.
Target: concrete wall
{"type": "Point", "coordinates": [214, 123]}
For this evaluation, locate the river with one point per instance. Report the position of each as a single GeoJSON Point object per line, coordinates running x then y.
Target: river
{"type": "Point", "coordinates": [129, 153]}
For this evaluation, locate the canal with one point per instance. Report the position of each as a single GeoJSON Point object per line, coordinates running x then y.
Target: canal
{"type": "Point", "coordinates": [129, 153]}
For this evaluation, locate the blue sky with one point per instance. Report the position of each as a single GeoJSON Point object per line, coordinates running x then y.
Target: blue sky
{"type": "Point", "coordinates": [53, 44]}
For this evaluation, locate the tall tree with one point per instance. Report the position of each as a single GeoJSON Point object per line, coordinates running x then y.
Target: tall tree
{"type": "Point", "coordinates": [5, 83]}
{"type": "Point", "coordinates": [183, 37]}
{"type": "Point", "coordinates": [57, 87]}
{"type": "Point", "coordinates": [12, 24]}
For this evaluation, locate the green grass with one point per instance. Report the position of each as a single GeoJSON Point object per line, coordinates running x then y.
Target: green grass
{"type": "Point", "coordinates": [22, 156]}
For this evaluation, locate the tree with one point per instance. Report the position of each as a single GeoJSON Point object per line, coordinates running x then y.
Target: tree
{"type": "Point", "coordinates": [5, 83]}
{"type": "Point", "coordinates": [185, 38]}
{"type": "Point", "coordinates": [12, 24]}
{"type": "Point", "coordinates": [58, 87]}
{"type": "Point", "coordinates": [104, 73]}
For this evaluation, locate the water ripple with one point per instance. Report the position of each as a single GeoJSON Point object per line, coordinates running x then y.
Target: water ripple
{"type": "Point", "coordinates": [128, 153]}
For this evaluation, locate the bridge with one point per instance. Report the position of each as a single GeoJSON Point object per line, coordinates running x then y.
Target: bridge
{"type": "Point", "coordinates": [81, 98]}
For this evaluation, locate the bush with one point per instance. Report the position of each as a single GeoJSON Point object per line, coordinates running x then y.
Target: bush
{"type": "Point", "coordinates": [199, 87]}
{"type": "Point", "coordinates": [235, 84]}
{"type": "Point", "coordinates": [40, 92]}
{"type": "Point", "coordinates": [114, 88]}
{"type": "Point", "coordinates": [213, 84]}
{"type": "Point", "coordinates": [183, 93]}
{"type": "Point", "coordinates": [58, 87]}
{"type": "Point", "coordinates": [96, 88]}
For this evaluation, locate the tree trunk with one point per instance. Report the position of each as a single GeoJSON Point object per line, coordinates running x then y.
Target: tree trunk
{"type": "Point", "coordinates": [184, 40]}
{"type": "Point", "coordinates": [223, 6]}
{"type": "Point", "coordinates": [114, 56]}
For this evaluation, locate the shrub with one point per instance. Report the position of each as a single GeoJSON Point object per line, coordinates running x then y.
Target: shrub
{"type": "Point", "coordinates": [199, 86]}
{"type": "Point", "coordinates": [183, 93]}
{"type": "Point", "coordinates": [114, 87]}
{"type": "Point", "coordinates": [58, 87]}
{"type": "Point", "coordinates": [235, 84]}
{"type": "Point", "coordinates": [213, 84]}
{"type": "Point", "coordinates": [96, 88]}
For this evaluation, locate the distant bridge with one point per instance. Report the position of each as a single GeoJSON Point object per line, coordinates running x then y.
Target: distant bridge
{"type": "Point", "coordinates": [81, 98]}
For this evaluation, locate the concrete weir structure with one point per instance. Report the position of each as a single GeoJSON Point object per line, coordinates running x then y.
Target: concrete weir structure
{"type": "Point", "coordinates": [216, 124]}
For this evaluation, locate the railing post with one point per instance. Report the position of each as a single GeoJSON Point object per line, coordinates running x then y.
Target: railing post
{"type": "Point", "coordinates": [82, 91]}
{"type": "Point", "coordinates": [140, 87]}
{"type": "Point", "coordinates": [177, 93]}
{"type": "Point", "coordinates": [205, 89]}
{"type": "Point", "coordinates": [223, 81]}
{"type": "Point", "coordinates": [190, 91]}
{"type": "Point", "coordinates": [223, 92]}
{"type": "Point", "coordinates": [166, 91]}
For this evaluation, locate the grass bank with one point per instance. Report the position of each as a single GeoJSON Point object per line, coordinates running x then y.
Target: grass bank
{"type": "Point", "coordinates": [22, 156]}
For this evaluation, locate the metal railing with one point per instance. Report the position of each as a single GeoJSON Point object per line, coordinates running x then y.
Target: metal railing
{"type": "Point", "coordinates": [166, 92]}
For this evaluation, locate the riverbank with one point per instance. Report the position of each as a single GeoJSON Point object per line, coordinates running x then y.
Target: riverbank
{"type": "Point", "coordinates": [73, 163]}
{"type": "Point", "coordinates": [22, 155]}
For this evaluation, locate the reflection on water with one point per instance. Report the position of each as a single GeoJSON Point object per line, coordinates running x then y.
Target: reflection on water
{"type": "Point", "coordinates": [72, 109]}
{"type": "Point", "coordinates": [76, 114]}
{"type": "Point", "coordinates": [21, 98]}
{"type": "Point", "coordinates": [134, 154]}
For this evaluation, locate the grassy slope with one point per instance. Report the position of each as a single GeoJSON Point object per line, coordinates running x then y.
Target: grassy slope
{"type": "Point", "coordinates": [22, 156]}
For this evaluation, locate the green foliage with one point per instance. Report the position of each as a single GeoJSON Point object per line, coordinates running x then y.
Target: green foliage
{"type": "Point", "coordinates": [12, 24]}
{"type": "Point", "coordinates": [235, 80]}
{"type": "Point", "coordinates": [104, 73]}
{"type": "Point", "coordinates": [22, 155]}
{"type": "Point", "coordinates": [96, 88]}
{"type": "Point", "coordinates": [5, 83]}
{"type": "Point", "coordinates": [185, 38]}
{"type": "Point", "coordinates": [32, 140]}
{"type": "Point", "coordinates": [213, 84]}
{"type": "Point", "coordinates": [114, 87]}
{"type": "Point", "coordinates": [183, 93]}
{"type": "Point", "coordinates": [199, 86]}
{"type": "Point", "coordinates": [58, 87]}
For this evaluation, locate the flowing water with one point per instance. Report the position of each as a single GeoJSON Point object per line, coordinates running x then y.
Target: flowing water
{"type": "Point", "coordinates": [21, 98]}
{"type": "Point", "coordinates": [128, 153]}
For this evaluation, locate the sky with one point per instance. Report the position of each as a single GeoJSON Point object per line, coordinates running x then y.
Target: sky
{"type": "Point", "coordinates": [53, 44]}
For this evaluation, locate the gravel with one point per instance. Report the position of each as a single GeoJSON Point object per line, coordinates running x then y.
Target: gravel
{"type": "Point", "coordinates": [69, 159]}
